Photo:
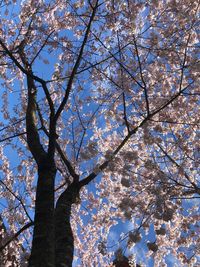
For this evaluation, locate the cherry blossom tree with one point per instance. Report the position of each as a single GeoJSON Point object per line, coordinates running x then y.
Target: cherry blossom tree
{"type": "Point", "coordinates": [99, 125]}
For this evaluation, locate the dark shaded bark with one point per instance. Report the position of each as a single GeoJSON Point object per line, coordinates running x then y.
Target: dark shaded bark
{"type": "Point", "coordinates": [43, 246]}
{"type": "Point", "coordinates": [64, 240]}
{"type": "Point", "coordinates": [121, 262]}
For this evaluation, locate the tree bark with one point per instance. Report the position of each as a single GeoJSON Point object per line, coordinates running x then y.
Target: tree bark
{"type": "Point", "coordinates": [64, 240]}
{"type": "Point", "coordinates": [43, 245]}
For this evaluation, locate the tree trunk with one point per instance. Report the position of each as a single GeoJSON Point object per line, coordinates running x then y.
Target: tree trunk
{"type": "Point", "coordinates": [43, 245]}
{"type": "Point", "coordinates": [64, 247]}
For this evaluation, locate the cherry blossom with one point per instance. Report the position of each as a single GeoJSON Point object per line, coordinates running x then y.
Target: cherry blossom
{"type": "Point", "coordinates": [99, 133]}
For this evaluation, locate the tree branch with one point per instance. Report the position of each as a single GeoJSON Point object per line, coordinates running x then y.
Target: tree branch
{"type": "Point", "coordinates": [16, 235]}
{"type": "Point", "coordinates": [100, 168]}
{"type": "Point", "coordinates": [197, 190]}
{"type": "Point", "coordinates": [18, 198]}
{"type": "Point", "coordinates": [59, 150]}
{"type": "Point", "coordinates": [28, 73]}
{"type": "Point", "coordinates": [142, 78]}
{"type": "Point", "coordinates": [13, 136]}
{"type": "Point", "coordinates": [78, 60]}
